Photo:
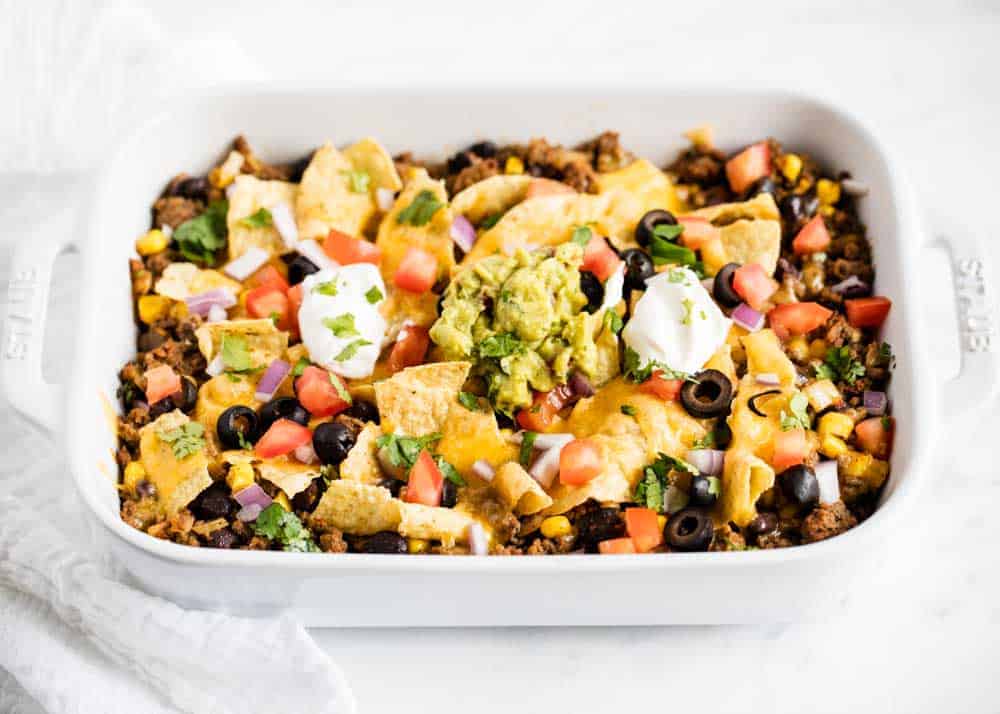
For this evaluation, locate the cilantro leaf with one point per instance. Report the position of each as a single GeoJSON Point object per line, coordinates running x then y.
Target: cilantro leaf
{"type": "Point", "coordinates": [421, 210]}
{"type": "Point", "coordinates": [185, 440]}
{"type": "Point", "coordinates": [637, 372]}
{"type": "Point", "coordinates": [656, 481]}
{"type": "Point", "coordinates": [200, 237]}
{"type": "Point", "coordinates": [351, 350]}
{"type": "Point", "coordinates": [501, 345]}
{"type": "Point", "coordinates": [628, 410]}
{"type": "Point", "coordinates": [469, 400]}
{"type": "Point", "coordinates": [262, 218]}
{"type": "Point", "coordinates": [235, 353]}
{"type": "Point", "coordinates": [799, 417]}
{"type": "Point", "coordinates": [581, 236]}
{"type": "Point", "coordinates": [705, 442]}
{"type": "Point", "coordinates": [341, 389]}
{"type": "Point", "coordinates": [285, 528]}
{"type": "Point", "coordinates": [491, 221]}
{"type": "Point", "coordinates": [840, 364]}
{"type": "Point", "coordinates": [373, 295]}
{"type": "Point", "coordinates": [327, 288]}
{"type": "Point", "coordinates": [300, 367]}
{"type": "Point", "coordinates": [358, 180]}
{"type": "Point", "coordinates": [342, 325]}
{"type": "Point", "coordinates": [449, 471]}
{"type": "Point", "coordinates": [402, 451]}
{"type": "Point", "coordinates": [613, 321]}
{"type": "Point", "coordinates": [687, 304]}
{"type": "Point", "coordinates": [527, 448]}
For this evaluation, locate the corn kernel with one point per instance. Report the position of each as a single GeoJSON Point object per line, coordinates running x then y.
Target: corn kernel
{"type": "Point", "coordinates": [661, 522]}
{"type": "Point", "coordinates": [224, 174]}
{"type": "Point", "coordinates": [153, 308]}
{"type": "Point", "coordinates": [877, 472]}
{"type": "Point", "coordinates": [514, 165]}
{"type": "Point", "coordinates": [179, 310]}
{"type": "Point", "coordinates": [854, 464]}
{"type": "Point", "coordinates": [415, 546]}
{"type": "Point", "coordinates": [282, 500]}
{"type": "Point", "coordinates": [832, 446]}
{"type": "Point", "coordinates": [134, 473]}
{"type": "Point", "coordinates": [791, 167]}
{"type": "Point", "coordinates": [240, 476]}
{"type": "Point", "coordinates": [836, 424]}
{"type": "Point", "coordinates": [828, 192]}
{"type": "Point", "coordinates": [817, 349]}
{"type": "Point", "coordinates": [826, 211]}
{"type": "Point", "coordinates": [152, 242]}
{"type": "Point", "coordinates": [556, 527]}
{"type": "Point", "coordinates": [797, 348]}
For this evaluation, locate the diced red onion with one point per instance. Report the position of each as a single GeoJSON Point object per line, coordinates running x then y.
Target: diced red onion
{"type": "Point", "coordinates": [747, 318]}
{"type": "Point", "coordinates": [479, 542]}
{"type": "Point", "coordinates": [546, 467]}
{"type": "Point", "coordinates": [306, 454]}
{"type": "Point", "coordinates": [167, 231]}
{"type": "Point", "coordinates": [580, 385]}
{"type": "Point", "coordinates": [786, 269]}
{"type": "Point", "coordinates": [708, 461]}
{"type": "Point", "coordinates": [483, 469]}
{"type": "Point", "coordinates": [273, 376]}
{"type": "Point", "coordinates": [247, 264]}
{"type": "Point", "coordinates": [876, 402]}
{"type": "Point", "coordinates": [562, 396]}
{"type": "Point", "coordinates": [852, 286]}
{"type": "Point", "coordinates": [202, 303]}
{"type": "Point", "coordinates": [769, 378]}
{"type": "Point", "coordinates": [853, 187]}
{"type": "Point", "coordinates": [829, 483]}
{"type": "Point", "coordinates": [284, 223]}
{"type": "Point", "coordinates": [463, 233]}
{"type": "Point", "coordinates": [312, 250]}
{"type": "Point", "coordinates": [385, 197]}
{"type": "Point", "coordinates": [253, 494]}
{"type": "Point", "coordinates": [217, 313]}
{"type": "Point", "coordinates": [674, 499]}
{"type": "Point", "coordinates": [249, 513]}
{"type": "Point", "coordinates": [216, 366]}
{"type": "Point", "coordinates": [230, 190]}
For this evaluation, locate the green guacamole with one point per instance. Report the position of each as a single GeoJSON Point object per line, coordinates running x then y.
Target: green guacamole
{"type": "Point", "coordinates": [519, 319]}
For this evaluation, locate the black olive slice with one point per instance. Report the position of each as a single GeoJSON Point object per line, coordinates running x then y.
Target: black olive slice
{"type": "Point", "coordinates": [710, 395]}
{"type": "Point", "coordinates": [648, 223]}
{"type": "Point", "coordinates": [722, 287]}
{"type": "Point", "coordinates": [752, 401]}
{"type": "Point", "coordinates": [690, 529]}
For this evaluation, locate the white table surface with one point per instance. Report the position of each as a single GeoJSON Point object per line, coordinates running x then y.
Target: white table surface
{"type": "Point", "coordinates": [924, 634]}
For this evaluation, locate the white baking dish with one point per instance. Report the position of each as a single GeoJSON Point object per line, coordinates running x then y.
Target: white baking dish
{"type": "Point", "coordinates": [373, 590]}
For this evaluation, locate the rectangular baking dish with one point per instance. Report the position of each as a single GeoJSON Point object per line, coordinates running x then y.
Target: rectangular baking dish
{"type": "Point", "coordinates": [283, 122]}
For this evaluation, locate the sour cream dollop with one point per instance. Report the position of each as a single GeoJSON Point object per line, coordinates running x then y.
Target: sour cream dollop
{"type": "Point", "coordinates": [676, 322]}
{"type": "Point", "coordinates": [339, 318]}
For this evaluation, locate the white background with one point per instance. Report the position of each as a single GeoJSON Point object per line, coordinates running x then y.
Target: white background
{"type": "Point", "coordinates": [924, 634]}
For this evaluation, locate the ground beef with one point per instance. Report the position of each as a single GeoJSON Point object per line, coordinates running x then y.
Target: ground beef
{"type": "Point", "coordinates": [478, 170]}
{"type": "Point", "coordinates": [777, 539]}
{"type": "Point", "coordinates": [158, 262]}
{"type": "Point", "coordinates": [175, 210]}
{"type": "Point", "coordinates": [839, 332]}
{"type": "Point", "coordinates": [252, 163]}
{"type": "Point", "coordinates": [551, 546]}
{"type": "Point", "coordinates": [142, 279]}
{"type": "Point", "coordinates": [826, 521]}
{"type": "Point", "coordinates": [557, 162]}
{"type": "Point", "coordinates": [700, 165]}
{"type": "Point", "coordinates": [607, 153]}
{"type": "Point", "coordinates": [329, 538]}
{"type": "Point", "coordinates": [727, 538]}
{"type": "Point", "coordinates": [141, 513]}
{"type": "Point", "coordinates": [404, 162]}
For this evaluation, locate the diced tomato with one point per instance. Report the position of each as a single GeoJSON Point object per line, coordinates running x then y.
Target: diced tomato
{"type": "Point", "coordinates": [294, 303]}
{"type": "Point", "coordinates": [754, 285]}
{"type": "Point", "coordinates": [347, 249]}
{"type": "Point", "coordinates": [599, 258]}
{"type": "Point", "coordinates": [540, 415]}
{"type": "Point", "coordinates": [666, 389]}
{"type": "Point", "coordinates": [268, 275]}
{"type": "Point", "coordinates": [751, 164]}
{"type": "Point", "coordinates": [425, 482]}
{"type": "Point", "coordinates": [813, 237]}
{"type": "Point", "coordinates": [410, 347]}
{"type": "Point", "coordinates": [546, 187]}
{"type": "Point", "coordinates": [417, 272]}
{"type": "Point", "coordinates": [322, 393]}
{"type": "Point", "coordinates": [161, 382]}
{"type": "Point", "coordinates": [616, 546]}
{"type": "Point", "coordinates": [867, 312]}
{"type": "Point", "coordinates": [797, 318]}
{"type": "Point", "coordinates": [643, 528]}
{"type": "Point", "coordinates": [875, 435]}
{"type": "Point", "coordinates": [283, 437]}
{"type": "Point", "coordinates": [697, 231]}
{"type": "Point", "coordinates": [790, 449]}
{"type": "Point", "coordinates": [580, 461]}
{"type": "Point", "coordinates": [269, 301]}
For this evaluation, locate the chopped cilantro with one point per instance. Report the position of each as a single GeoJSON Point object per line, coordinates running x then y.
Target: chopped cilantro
{"type": "Point", "coordinates": [501, 345]}
{"type": "Point", "coordinates": [677, 276]}
{"type": "Point", "coordinates": [613, 321]}
{"type": "Point", "coordinates": [582, 235]}
{"type": "Point", "coordinates": [705, 442]}
{"type": "Point", "coordinates": [402, 451]}
{"type": "Point", "coordinates": [351, 350]}
{"type": "Point", "coordinates": [714, 485]}
{"type": "Point", "coordinates": [448, 471]}
{"type": "Point", "coordinates": [284, 527]}
{"type": "Point", "coordinates": [527, 448]}
{"type": "Point", "coordinates": [300, 367]}
{"type": "Point", "coordinates": [342, 325]}
{"type": "Point", "coordinates": [341, 389]}
{"type": "Point", "coordinates": [688, 305]}
{"type": "Point", "coordinates": [235, 353]}
{"type": "Point", "coordinates": [275, 317]}
{"type": "Point", "coordinates": [799, 417]}
{"type": "Point", "coordinates": [656, 481]}
{"type": "Point", "coordinates": [244, 444]}
{"type": "Point", "coordinates": [491, 221]}
{"type": "Point", "coordinates": [200, 237]}
{"type": "Point", "coordinates": [469, 400]}
{"type": "Point", "coordinates": [628, 410]}
{"type": "Point", "coordinates": [839, 364]}
{"type": "Point", "coordinates": [373, 295]}
{"type": "Point", "coordinates": [185, 440]}
{"type": "Point", "coordinates": [260, 219]}
{"type": "Point", "coordinates": [421, 210]}
{"type": "Point", "coordinates": [640, 373]}
{"type": "Point", "coordinates": [327, 288]}
{"type": "Point", "coordinates": [357, 180]}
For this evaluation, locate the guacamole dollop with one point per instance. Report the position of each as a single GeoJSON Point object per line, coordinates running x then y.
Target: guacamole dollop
{"type": "Point", "coordinates": [519, 319]}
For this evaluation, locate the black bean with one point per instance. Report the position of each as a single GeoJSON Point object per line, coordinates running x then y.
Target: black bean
{"type": "Point", "coordinates": [800, 486]}
{"type": "Point", "coordinates": [150, 340]}
{"type": "Point", "coordinates": [485, 149]}
{"type": "Point", "coordinates": [306, 499]}
{"type": "Point", "coordinates": [363, 411]}
{"type": "Point", "coordinates": [194, 188]}
{"type": "Point", "coordinates": [458, 162]}
{"type": "Point", "coordinates": [449, 494]}
{"type": "Point", "coordinates": [222, 538]}
{"type": "Point", "coordinates": [764, 522]}
{"type": "Point", "coordinates": [600, 524]}
{"type": "Point", "coordinates": [213, 502]}
{"type": "Point", "coordinates": [393, 486]}
{"type": "Point", "coordinates": [332, 441]}
{"type": "Point", "coordinates": [386, 542]}
{"type": "Point", "coordinates": [187, 398]}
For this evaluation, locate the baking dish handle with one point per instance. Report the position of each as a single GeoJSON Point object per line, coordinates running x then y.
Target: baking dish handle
{"type": "Point", "coordinates": [975, 385]}
{"type": "Point", "coordinates": [24, 333]}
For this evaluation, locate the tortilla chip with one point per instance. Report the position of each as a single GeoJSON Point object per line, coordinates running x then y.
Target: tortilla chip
{"type": "Point", "coordinates": [490, 197]}
{"type": "Point", "coordinates": [520, 491]}
{"type": "Point", "coordinates": [648, 184]}
{"type": "Point", "coordinates": [765, 356]}
{"type": "Point", "coordinates": [361, 463]}
{"type": "Point", "coordinates": [371, 157]}
{"type": "Point", "coordinates": [395, 239]}
{"type": "Point", "coordinates": [249, 195]}
{"type": "Point", "coordinates": [402, 306]}
{"type": "Point", "coordinates": [290, 476]}
{"type": "Point", "coordinates": [265, 342]}
{"type": "Point", "coordinates": [722, 361]}
{"type": "Point", "coordinates": [447, 525]}
{"type": "Point", "coordinates": [750, 232]}
{"type": "Point", "coordinates": [416, 400]}
{"type": "Point", "coordinates": [467, 436]}
{"type": "Point", "coordinates": [325, 198]}
{"type": "Point", "coordinates": [359, 508]}
{"type": "Point", "coordinates": [177, 481]}
{"type": "Point", "coordinates": [744, 478]}
{"type": "Point", "coordinates": [624, 459]}
{"type": "Point", "coordinates": [182, 280]}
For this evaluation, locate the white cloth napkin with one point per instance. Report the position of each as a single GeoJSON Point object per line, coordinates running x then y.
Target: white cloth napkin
{"type": "Point", "coordinates": [74, 636]}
